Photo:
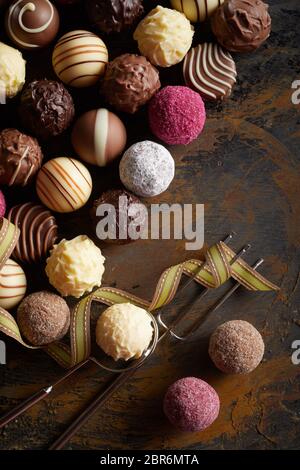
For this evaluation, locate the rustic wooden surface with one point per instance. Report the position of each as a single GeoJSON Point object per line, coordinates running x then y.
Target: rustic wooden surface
{"type": "Point", "coordinates": [245, 168]}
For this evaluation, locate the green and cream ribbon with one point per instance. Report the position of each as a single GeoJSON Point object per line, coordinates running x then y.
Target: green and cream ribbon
{"type": "Point", "coordinates": [212, 273]}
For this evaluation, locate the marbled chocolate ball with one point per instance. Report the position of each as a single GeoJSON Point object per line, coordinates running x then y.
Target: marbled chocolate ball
{"type": "Point", "coordinates": [20, 158]}
{"type": "Point", "coordinates": [32, 24]}
{"type": "Point", "coordinates": [128, 217]}
{"type": "Point", "coordinates": [99, 137]}
{"type": "Point", "coordinates": [46, 109]}
{"type": "Point", "coordinates": [43, 318]}
{"type": "Point", "coordinates": [236, 347]}
{"type": "Point", "coordinates": [114, 16]}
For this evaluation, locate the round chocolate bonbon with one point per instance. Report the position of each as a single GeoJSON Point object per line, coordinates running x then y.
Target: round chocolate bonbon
{"type": "Point", "coordinates": [79, 58]}
{"type": "Point", "coordinates": [38, 232]}
{"type": "Point", "coordinates": [32, 24]}
{"type": "Point", "coordinates": [114, 16]}
{"type": "Point", "coordinates": [99, 136]}
{"type": "Point", "coordinates": [13, 284]}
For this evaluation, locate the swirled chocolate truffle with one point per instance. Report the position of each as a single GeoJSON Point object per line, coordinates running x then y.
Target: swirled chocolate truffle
{"type": "Point", "coordinates": [47, 108]}
{"type": "Point", "coordinates": [114, 16]}
{"type": "Point", "coordinates": [20, 157]}
{"type": "Point", "coordinates": [241, 25]}
{"type": "Point", "coordinates": [38, 232]}
{"type": "Point", "coordinates": [129, 82]}
{"type": "Point", "coordinates": [128, 217]}
{"type": "Point", "coordinates": [43, 318]}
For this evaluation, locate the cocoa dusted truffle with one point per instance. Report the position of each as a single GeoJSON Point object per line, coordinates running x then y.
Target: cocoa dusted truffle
{"type": "Point", "coordinates": [129, 82]}
{"type": "Point", "coordinates": [43, 318]}
{"type": "Point", "coordinates": [236, 347]}
{"type": "Point", "coordinates": [47, 108]}
{"type": "Point", "coordinates": [114, 16]}
{"type": "Point", "coordinates": [129, 216]}
{"type": "Point", "coordinates": [20, 158]}
{"type": "Point", "coordinates": [241, 25]}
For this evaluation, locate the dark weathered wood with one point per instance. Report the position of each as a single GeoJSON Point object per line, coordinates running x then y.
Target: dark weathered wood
{"type": "Point", "coordinates": [245, 169]}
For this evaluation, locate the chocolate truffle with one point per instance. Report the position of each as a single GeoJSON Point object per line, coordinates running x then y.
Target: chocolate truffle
{"type": "Point", "coordinates": [43, 318]}
{"type": "Point", "coordinates": [147, 169]}
{"type": "Point", "coordinates": [124, 331]}
{"type": "Point", "coordinates": [13, 285]}
{"type": "Point", "coordinates": [236, 347]}
{"type": "Point", "coordinates": [12, 71]}
{"type": "Point", "coordinates": [196, 10]}
{"type": "Point", "coordinates": [114, 16]}
{"type": "Point", "coordinates": [129, 82]}
{"type": "Point", "coordinates": [32, 24]}
{"type": "Point", "coordinates": [64, 184]}
{"type": "Point", "coordinates": [38, 232]}
{"type": "Point", "coordinates": [20, 158]}
{"type": "Point", "coordinates": [210, 70]}
{"type": "Point", "coordinates": [99, 137]}
{"type": "Point", "coordinates": [129, 217]}
{"type": "Point", "coordinates": [47, 108]}
{"type": "Point", "coordinates": [191, 404]}
{"type": "Point", "coordinates": [75, 266]}
{"type": "Point", "coordinates": [167, 120]}
{"type": "Point", "coordinates": [241, 25]}
{"type": "Point", "coordinates": [164, 36]}
{"type": "Point", "coordinates": [79, 58]}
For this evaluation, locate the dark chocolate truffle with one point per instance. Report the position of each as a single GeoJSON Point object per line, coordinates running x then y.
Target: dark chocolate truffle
{"type": "Point", "coordinates": [241, 25]}
{"type": "Point", "coordinates": [127, 214]}
{"type": "Point", "coordinates": [129, 82]}
{"type": "Point", "coordinates": [38, 232]}
{"type": "Point", "coordinates": [43, 318]}
{"type": "Point", "coordinates": [236, 347]}
{"type": "Point", "coordinates": [114, 16]}
{"type": "Point", "coordinates": [47, 108]}
{"type": "Point", "coordinates": [20, 157]}
{"type": "Point", "coordinates": [32, 25]}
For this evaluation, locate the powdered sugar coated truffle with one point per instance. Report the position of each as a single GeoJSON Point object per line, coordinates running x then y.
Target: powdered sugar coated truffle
{"type": "Point", "coordinates": [147, 168]}
{"type": "Point", "coordinates": [191, 404]}
{"type": "Point", "coordinates": [236, 347]}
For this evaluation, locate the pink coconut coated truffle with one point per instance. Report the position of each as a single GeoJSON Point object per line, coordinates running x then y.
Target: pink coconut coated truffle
{"type": "Point", "coordinates": [2, 204]}
{"type": "Point", "coordinates": [191, 404]}
{"type": "Point", "coordinates": [177, 115]}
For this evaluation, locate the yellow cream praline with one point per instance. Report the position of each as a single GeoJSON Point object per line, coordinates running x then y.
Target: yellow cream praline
{"type": "Point", "coordinates": [75, 266]}
{"type": "Point", "coordinates": [124, 331]}
{"type": "Point", "coordinates": [164, 36]}
{"type": "Point", "coordinates": [12, 71]}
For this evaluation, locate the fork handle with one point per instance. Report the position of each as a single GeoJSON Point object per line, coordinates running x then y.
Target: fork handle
{"type": "Point", "coordinates": [99, 400]}
{"type": "Point", "coordinates": [24, 406]}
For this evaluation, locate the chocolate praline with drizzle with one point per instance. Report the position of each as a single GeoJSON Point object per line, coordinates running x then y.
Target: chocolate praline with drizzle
{"type": "Point", "coordinates": [20, 158]}
{"type": "Point", "coordinates": [32, 24]}
{"type": "Point", "coordinates": [38, 232]}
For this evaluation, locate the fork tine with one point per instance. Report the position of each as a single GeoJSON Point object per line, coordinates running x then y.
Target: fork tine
{"type": "Point", "coordinates": [168, 329]}
{"type": "Point", "coordinates": [215, 307]}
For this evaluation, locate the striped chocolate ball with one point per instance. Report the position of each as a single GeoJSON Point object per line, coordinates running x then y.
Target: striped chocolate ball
{"type": "Point", "coordinates": [79, 58]}
{"type": "Point", "coordinates": [64, 184]}
{"type": "Point", "coordinates": [197, 10]}
{"type": "Point", "coordinates": [13, 284]}
{"type": "Point", "coordinates": [38, 232]}
{"type": "Point", "coordinates": [99, 137]}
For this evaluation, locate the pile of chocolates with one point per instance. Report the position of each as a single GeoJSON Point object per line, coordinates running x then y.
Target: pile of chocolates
{"type": "Point", "coordinates": [80, 59]}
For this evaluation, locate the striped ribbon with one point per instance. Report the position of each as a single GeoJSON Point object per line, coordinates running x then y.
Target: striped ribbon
{"type": "Point", "coordinates": [212, 273]}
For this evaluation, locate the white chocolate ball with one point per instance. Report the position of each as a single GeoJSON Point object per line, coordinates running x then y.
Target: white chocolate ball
{"type": "Point", "coordinates": [13, 285]}
{"type": "Point", "coordinates": [124, 331]}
